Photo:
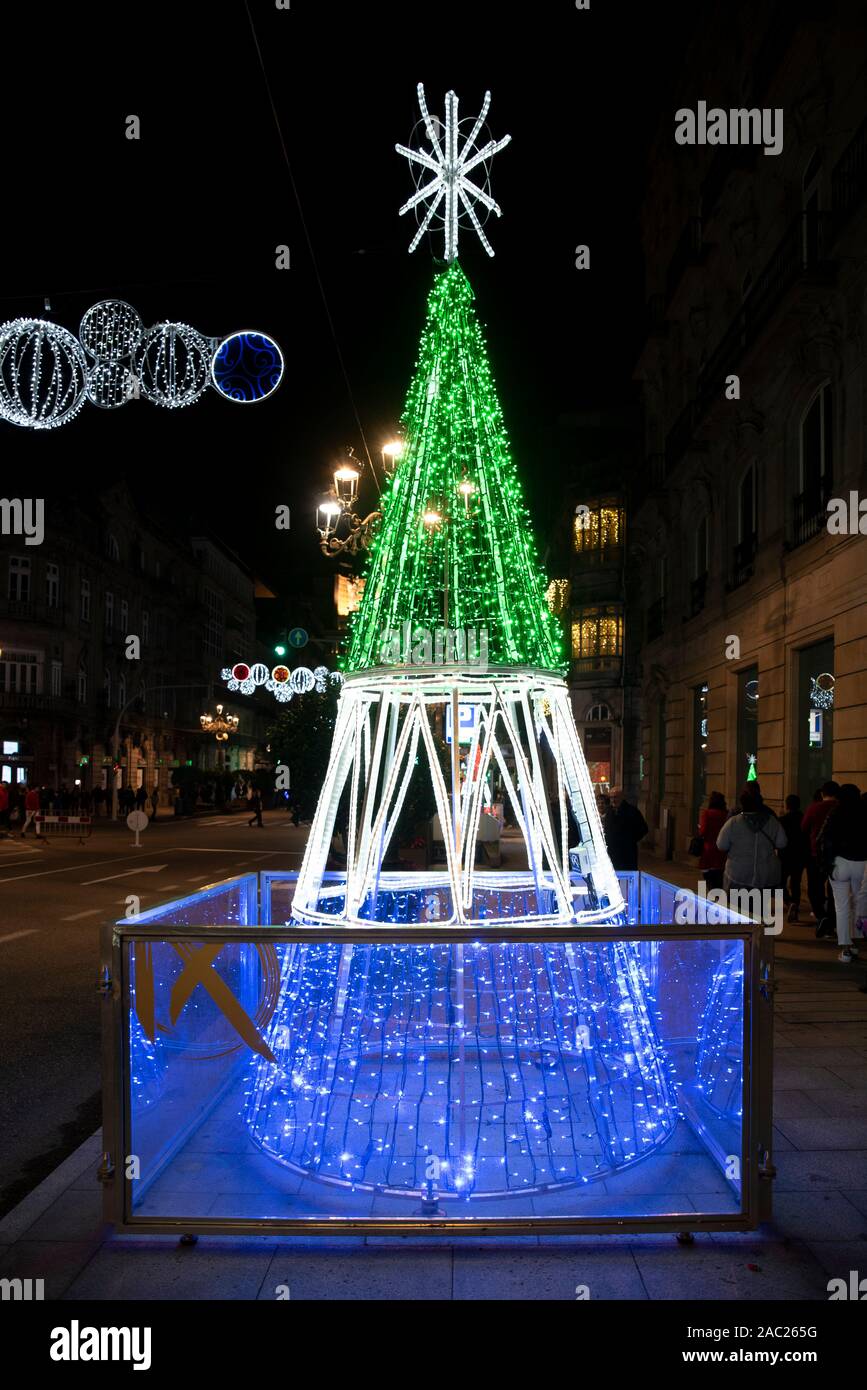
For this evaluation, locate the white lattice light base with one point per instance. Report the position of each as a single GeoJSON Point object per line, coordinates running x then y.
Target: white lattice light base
{"type": "Point", "coordinates": [522, 731]}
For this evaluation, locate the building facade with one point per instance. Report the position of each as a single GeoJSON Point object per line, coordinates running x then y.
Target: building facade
{"type": "Point", "coordinates": [113, 634]}
{"type": "Point", "coordinates": [752, 613]}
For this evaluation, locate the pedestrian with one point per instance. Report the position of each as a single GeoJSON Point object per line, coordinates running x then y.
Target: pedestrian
{"type": "Point", "coordinates": [31, 811]}
{"type": "Point", "coordinates": [141, 797]}
{"type": "Point", "coordinates": [255, 804]}
{"type": "Point", "coordinates": [624, 826]}
{"type": "Point", "coordinates": [794, 856]}
{"type": "Point", "coordinates": [842, 852]}
{"type": "Point", "coordinates": [821, 898]}
{"type": "Point", "coordinates": [4, 810]}
{"type": "Point", "coordinates": [155, 801]}
{"type": "Point", "coordinates": [710, 822]}
{"type": "Point", "coordinates": [750, 842]}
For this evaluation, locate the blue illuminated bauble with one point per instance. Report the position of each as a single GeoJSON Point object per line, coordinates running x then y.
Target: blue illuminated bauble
{"type": "Point", "coordinates": [247, 367]}
{"type": "Point", "coordinates": [171, 365]}
{"type": "Point", "coordinates": [110, 330]}
{"type": "Point", "coordinates": [42, 374]}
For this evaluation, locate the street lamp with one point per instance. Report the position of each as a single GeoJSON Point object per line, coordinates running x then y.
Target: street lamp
{"type": "Point", "coordinates": [392, 452]}
{"type": "Point", "coordinates": [219, 725]}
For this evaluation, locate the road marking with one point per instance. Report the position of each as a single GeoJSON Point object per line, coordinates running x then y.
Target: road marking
{"type": "Point", "coordinates": [16, 934]}
{"type": "Point", "coordinates": [91, 912]}
{"type": "Point", "coordinates": [127, 873]}
{"type": "Point", "coordinates": [43, 873]}
{"type": "Point", "coordinates": [197, 878]}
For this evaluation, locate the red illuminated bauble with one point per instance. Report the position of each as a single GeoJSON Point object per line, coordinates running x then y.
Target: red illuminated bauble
{"type": "Point", "coordinates": [241, 672]}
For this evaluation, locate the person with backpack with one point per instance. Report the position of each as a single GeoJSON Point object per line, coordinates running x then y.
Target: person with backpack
{"type": "Point", "coordinates": [842, 853]}
{"type": "Point", "coordinates": [750, 842]}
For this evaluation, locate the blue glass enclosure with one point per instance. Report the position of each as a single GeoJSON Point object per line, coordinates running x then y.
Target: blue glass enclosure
{"type": "Point", "coordinates": [286, 1077]}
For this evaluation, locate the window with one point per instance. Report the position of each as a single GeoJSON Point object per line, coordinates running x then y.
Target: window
{"type": "Point", "coordinates": [597, 632]}
{"type": "Point", "coordinates": [52, 585]}
{"type": "Point", "coordinates": [81, 690]}
{"type": "Point", "coordinates": [701, 549]}
{"type": "Point", "coordinates": [19, 579]}
{"type": "Point", "coordinates": [124, 616]}
{"type": "Point", "coordinates": [816, 450]}
{"type": "Point", "coordinates": [599, 713]}
{"type": "Point", "coordinates": [84, 610]}
{"type": "Point", "coordinates": [145, 626]}
{"type": "Point", "coordinates": [747, 753]}
{"type": "Point", "coordinates": [699, 748]}
{"type": "Point", "coordinates": [815, 733]}
{"type": "Point", "coordinates": [747, 508]}
{"type": "Point", "coordinates": [56, 678]}
{"type": "Point", "coordinates": [21, 672]}
{"type": "Point", "coordinates": [598, 526]}
{"type": "Point", "coordinates": [112, 549]}
{"type": "Point", "coordinates": [213, 623]}
{"type": "Point", "coordinates": [109, 609]}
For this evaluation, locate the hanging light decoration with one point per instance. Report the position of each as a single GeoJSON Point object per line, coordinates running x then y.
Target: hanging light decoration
{"type": "Point", "coordinates": [172, 364]}
{"type": "Point", "coordinates": [43, 374]}
{"type": "Point", "coordinates": [111, 330]}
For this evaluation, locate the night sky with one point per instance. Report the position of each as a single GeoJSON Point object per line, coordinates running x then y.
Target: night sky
{"type": "Point", "coordinates": [184, 224]}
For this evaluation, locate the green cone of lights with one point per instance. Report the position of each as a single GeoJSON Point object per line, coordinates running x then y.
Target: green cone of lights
{"type": "Point", "coordinates": [475, 567]}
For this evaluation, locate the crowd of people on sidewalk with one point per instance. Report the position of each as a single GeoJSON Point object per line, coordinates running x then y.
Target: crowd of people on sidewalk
{"type": "Point", "coordinates": [751, 847]}
{"type": "Point", "coordinates": [754, 848]}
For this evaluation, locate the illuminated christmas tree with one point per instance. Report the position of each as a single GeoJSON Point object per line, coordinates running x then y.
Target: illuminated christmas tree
{"type": "Point", "coordinates": [455, 549]}
{"type": "Point", "coordinates": [552, 1047]}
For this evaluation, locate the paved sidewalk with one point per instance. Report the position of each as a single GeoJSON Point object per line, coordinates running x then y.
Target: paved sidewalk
{"type": "Point", "coordinates": [819, 1230]}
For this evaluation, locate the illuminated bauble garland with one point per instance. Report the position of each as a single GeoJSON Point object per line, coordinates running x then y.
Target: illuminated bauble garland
{"type": "Point", "coordinates": [42, 374]}
{"type": "Point", "coordinates": [171, 364]}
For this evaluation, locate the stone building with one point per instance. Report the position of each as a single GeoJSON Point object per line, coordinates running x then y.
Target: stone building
{"type": "Point", "coordinates": [103, 574]}
{"type": "Point", "coordinates": [753, 616]}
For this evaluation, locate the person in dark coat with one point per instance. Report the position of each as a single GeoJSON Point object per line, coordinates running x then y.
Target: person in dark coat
{"type": "Point", "coordinates": [821, 899]}
{"type": "Point", "coordinates": [711, 821]}
{"type": "Point", "coordinates": [624, 826]}
{"type": "Point", "coordinates": [255, 804]}
{"type": "Point", "coordinates": [794, 856]}
{"type": "Point", "coordinates": [842, 853]}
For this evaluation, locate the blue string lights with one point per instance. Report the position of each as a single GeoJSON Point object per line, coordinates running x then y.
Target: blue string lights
{"type": "Point", "coordinates": [483, 1069]}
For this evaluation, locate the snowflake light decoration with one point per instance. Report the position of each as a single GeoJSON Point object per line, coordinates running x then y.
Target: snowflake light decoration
{"type": "Point", "coordinates": [450, 163]}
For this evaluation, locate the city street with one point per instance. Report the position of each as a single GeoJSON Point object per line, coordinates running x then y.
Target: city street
{"type": "Point", "coordinates": [53, 902]}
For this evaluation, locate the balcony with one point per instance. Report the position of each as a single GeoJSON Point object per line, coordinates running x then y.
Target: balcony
{"type": "Point", "coordinates": [30, 700]}
{"type": "Point", "coordinates": [655, 619]}
{"type": "Point", "coordinates": [31, 610]}
{"type": "Point", "coordinates": [849, 179]}
{"type": "Point", "coordinates": [743, 562]}
{"type": "Point", "coordinates": [595, 666]}
{"type": "Point", "coordinates": [697, 594]}
{"type": "Point", "coordinates": [810, 513]}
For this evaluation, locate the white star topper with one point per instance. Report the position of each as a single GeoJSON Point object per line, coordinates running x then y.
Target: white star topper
{"type": "Point", "coordinates": [450, 168]}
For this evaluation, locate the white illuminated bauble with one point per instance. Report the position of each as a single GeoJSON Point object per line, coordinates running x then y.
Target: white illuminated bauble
{"type": "Point", "coordinates": [109, 385]}
{"type": "Point", "coordinates": [302, 680]}
{"type": "Point", "coordinates": [42, 374]}
{"type": "Point", "coordinates": [451, 196]}
{"type": "Point", "coordinates": [259, 673]}
{"type": "Point", "coordinates": [172, 364]}
{"type": "Point", "coordinates": [111, 330]}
